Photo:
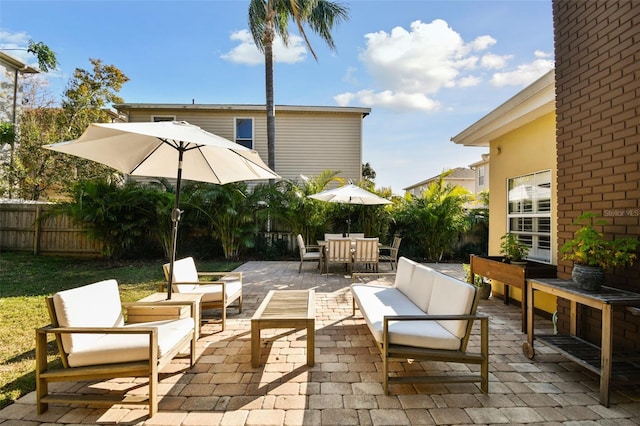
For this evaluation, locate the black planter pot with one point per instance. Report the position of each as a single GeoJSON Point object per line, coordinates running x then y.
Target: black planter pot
{"type": "Point", "coordinates": [588, 278]}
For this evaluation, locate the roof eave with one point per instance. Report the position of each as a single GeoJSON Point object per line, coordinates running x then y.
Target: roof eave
{"type": "Point", "coordinates": [532, 102]}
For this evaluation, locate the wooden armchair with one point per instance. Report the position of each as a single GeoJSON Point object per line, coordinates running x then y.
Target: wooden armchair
{"type": "Point", "coordinates": [94, 343]}
{"type": "Point", "coordinates": [216, 294]}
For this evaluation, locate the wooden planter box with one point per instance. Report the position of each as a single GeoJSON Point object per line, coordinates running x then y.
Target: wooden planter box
{"type": "Point", "coordinates": [493, 267]}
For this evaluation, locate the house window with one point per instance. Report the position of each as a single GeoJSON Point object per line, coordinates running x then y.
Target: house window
{"type": "Point", "coordinates": [481, 173]}
{"type": "Point", "coordinates": [529, 212]}
{"type": "Point", "coordinates": [244, 132]}
{"type": "Point", "coordinates": [157, 118]}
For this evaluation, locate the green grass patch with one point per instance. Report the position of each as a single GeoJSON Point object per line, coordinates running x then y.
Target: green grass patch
{"type": "Point", "coordinates": [26, 279]}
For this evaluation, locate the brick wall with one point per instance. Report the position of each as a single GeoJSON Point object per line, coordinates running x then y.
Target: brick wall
{"type": "Point", "coordinates": [597, 51]}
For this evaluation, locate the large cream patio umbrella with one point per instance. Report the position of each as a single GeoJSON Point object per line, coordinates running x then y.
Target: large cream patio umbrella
{"type": "Point", "coordinates": [350, 194]}
{"type": "Point", "coordinates": [170, 149]}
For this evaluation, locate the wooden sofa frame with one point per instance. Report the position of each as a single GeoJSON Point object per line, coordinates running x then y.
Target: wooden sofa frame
{"type": "Point", "coordinates": [394, 351]}
{"type": "Point", "coordinates": [46, 374]}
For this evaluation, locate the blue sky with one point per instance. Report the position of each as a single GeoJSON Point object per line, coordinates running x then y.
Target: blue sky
{"type": "Point", "coordinates": [428, 69]}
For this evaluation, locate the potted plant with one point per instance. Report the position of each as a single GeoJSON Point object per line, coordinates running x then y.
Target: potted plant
{"type": "Point", "coordinates": [484, 286]}
{"type": "Point", "coordinates": [513, 250]}
{"type": "Point", "coordinates": [592, 254]}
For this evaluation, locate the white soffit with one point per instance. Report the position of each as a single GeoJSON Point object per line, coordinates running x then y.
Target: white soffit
{"type": "Point", "coordinates": [532, 102]}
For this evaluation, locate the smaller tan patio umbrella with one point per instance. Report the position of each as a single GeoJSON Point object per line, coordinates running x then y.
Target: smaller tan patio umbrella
{"type": "Point", "coordinates": [169, 149]}
{"type": "Point", "coordinates": [350, 194]}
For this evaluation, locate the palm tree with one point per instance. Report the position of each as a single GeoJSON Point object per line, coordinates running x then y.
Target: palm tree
{"type": "Point", "coordinates": [268, 17]}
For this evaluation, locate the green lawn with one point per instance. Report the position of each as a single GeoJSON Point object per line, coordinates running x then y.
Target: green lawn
{"type": "Point", "coordinates": [24, 281]}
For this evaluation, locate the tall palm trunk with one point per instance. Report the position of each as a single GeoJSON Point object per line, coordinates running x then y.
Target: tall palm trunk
{"type": "Point", "coordinates": [269, 36]}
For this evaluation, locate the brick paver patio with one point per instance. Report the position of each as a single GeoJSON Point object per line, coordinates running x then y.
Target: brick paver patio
{"type": "Point", "coordinates": [344, 387]}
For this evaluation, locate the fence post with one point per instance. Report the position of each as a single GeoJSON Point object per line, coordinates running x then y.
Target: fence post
{"type": "Point", "coordinates": [36, 232]}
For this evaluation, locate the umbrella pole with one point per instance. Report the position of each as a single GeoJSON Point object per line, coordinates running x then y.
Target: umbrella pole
{"type": "Point", "coordinates": [175, 219]}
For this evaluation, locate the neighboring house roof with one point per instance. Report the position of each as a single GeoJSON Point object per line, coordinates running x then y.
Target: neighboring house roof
{"type": "Point", "coordinates": [17, 64]}
{"type": "Point", "coordinates": [248, 107]}
{"type": "Point", "coordinates": [485, 160]}
{"type": "Point", "coordinates": [459, 173]}
{"type": "Point", "coordinates": [532, 102]}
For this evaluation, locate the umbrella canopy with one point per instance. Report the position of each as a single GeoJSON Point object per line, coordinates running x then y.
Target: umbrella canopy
{"type": "Point", "coordinates": [349, 194]}
{"type": "Point", "coordinates": [152, 149]}
{"type": "Point", "coordinates": [169, 149]}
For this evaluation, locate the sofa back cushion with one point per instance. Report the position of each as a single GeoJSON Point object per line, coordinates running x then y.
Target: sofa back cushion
{"type": "Point", "coordinates": [419, 291]}
{"type": "Point", "coordinates": [404, 272]}
{"type": "Point", "coordinates": [451, 296]}
{"type": "Point", "coordinates": [184, 271]}
{"type": "Point", "coordinates": [93, 305]}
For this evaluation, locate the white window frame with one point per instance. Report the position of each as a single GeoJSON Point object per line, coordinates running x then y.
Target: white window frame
{"type": "Point", "coordinates": [235, 131]}
{"type": "Point", "coordinates": [529, 209]}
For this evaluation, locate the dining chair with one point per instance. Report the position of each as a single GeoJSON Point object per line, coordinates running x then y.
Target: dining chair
{"type": "Point", "coordinates": [311, 253]}
{"type": "Point", "coordinates": [367, 252]}
{"type": "Point", "coordinates": [338, 251]}
{"type": "Point", "coordinates": [390, 254]}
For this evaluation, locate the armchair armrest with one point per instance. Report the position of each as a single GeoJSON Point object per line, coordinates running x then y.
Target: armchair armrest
{"type": "Point", "coordinates": [236, 274]}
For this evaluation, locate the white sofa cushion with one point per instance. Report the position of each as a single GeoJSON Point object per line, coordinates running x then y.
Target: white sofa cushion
{"type": "Point", "coordinates": [421, 285]}
{"type": "Point", "coordinates": [376, 302]}
{"type": "Point", "coordinates": [451, 297]}
{"type": "Point", "coordinates": [93, 305]}
{"type": "Point", "coordinates": [404, 272]}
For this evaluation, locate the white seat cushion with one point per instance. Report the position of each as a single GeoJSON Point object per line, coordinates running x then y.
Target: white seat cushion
{"type": "Point", "coordinates": [116, 348]}
{"type": "Point", "coordinates": [213, 293]}
{"type": "Point", "coordinates": [381, 301]}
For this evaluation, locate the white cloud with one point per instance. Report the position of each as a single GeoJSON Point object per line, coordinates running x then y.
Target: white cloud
{"type": "Point", "coordinates": [541, 54]}
{"type": "Point", "coordinates": [15, 44]}
{"type": "Point", "coordinates": [410, 66]}
{"type": "Point", "coordinates": [247, 53]}
{"type": "Point", "coordinates": [497, 62]}
{"type": "Point", "coordinates": [524, 75]}
{"type": "Point", "coordinates": [389, 99]}
{"type": "Point", "coordinates": [469, 81]}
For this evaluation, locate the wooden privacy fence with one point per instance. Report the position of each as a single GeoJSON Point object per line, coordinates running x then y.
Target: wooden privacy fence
{"type": "Point", "coordinates": [31, 227]}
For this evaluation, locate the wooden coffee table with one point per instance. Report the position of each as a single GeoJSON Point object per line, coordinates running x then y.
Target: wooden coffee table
{"type": "Point", "coordinates": [285, 309]}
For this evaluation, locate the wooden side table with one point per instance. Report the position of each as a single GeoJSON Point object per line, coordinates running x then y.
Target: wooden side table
{"type": "Point", "coordinates": [285, 309]}
{"type": "Point", "coordinates": [599, 360]}
{"type": "Point", "coordinates": [159, 300]}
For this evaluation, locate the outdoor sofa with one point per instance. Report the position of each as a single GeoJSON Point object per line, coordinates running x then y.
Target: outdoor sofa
{"type": "Point", "coordinates": [424, 316]}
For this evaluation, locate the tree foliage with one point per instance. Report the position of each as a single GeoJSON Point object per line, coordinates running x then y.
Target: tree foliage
{"type": "Point", "coordinates": [434, 220]}
{"type": "Point", "coordinates": [46, 57]}
{"type": "Point", "coordinates": [35, 171]}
